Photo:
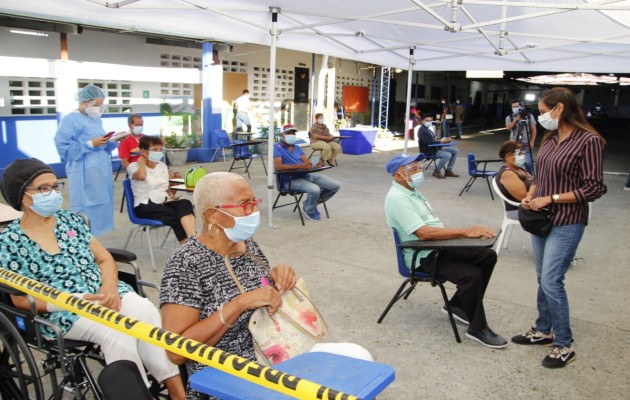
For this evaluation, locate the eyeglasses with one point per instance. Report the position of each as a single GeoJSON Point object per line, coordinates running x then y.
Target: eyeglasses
{"type": "Point", "coordinates": [248, 207]}
{"type": "Point", "coordinates": [45, 190]}
{"type": "Point", "coordinates": [413, 167]}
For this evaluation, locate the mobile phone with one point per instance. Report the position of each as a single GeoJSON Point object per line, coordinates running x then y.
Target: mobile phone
{"type": "Point", "coordinates": [109, 134]}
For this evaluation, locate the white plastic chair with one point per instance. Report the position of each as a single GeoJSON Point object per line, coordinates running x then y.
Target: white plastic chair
{"type": "Point", "coordinates": [509, 219]}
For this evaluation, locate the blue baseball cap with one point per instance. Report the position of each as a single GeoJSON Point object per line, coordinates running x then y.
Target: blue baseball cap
{"type": "Point", "coordinates": [401, 159]}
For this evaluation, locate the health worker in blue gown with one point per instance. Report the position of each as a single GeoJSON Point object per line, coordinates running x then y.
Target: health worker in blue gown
{"type": "Point", "coordinates": [83, 146]}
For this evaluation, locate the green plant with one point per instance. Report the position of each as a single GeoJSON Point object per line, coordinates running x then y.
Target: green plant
{"type": "Point", "coordinates": [173, 141]}
{"type": "Point", "coordinates": [264, 131]}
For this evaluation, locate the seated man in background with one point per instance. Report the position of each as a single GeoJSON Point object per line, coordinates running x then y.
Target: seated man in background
{"type": "Point", "coordinates": [322, 139]}
{"type": "Point", "coordinates": [57, 248]}
{"type": "Point", "coordinates": [412, 216]}
{"type": "Point", "coordinates": [150, 182]}
{"type": "Point", "coordinates": [286, 157]}
{"type": "Point", "coordinates": [445, 154]}
{"type": "Point", "coordinates": [128, 150]}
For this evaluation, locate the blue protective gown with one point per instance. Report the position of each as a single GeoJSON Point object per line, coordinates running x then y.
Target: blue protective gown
{"type": "Point", "coordinates": [89, 169]}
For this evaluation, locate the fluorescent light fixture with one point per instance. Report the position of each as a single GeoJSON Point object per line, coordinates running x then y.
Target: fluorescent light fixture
{"type": "Point", "coordinates": [484, 74]}
{"type": "Point", "coordinates": [530, 97]}
{"type": "Point", "coordinates": [30, 33]}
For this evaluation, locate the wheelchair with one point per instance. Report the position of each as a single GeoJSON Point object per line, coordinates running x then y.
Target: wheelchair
{"type": "Point", "coordinates": [20, 335]}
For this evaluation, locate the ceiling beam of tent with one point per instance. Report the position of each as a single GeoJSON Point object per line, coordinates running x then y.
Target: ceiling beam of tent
{"type": "Point", "coordinates": [481, 31]}
{"type": "Point", "coordinates": [235, 17]}
{"type": "Point", "coordinates": [595, 5]}
{"type": "Point", "coordinates": [412, 61]}
{"type": "Point", "coordinates": [431, 12]}
{"type": "Point", "coordinates": [323, 34]}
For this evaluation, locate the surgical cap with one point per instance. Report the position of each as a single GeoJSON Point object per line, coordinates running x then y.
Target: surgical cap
{"type": "Point", "coordinates": [90, 92]}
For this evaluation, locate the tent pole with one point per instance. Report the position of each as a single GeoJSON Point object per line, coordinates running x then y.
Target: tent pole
{"type": "Point", "coordinates": [272, 98]}
{"type": "Point", "coordinates": [412, 61]}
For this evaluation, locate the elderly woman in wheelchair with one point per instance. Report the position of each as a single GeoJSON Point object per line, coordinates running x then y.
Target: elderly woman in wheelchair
{"type": "Point", "coordinates": [56, 247]}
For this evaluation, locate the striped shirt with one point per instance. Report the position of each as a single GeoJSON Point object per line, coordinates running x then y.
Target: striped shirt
{"type": "Point", "coordinates": [575, 165]}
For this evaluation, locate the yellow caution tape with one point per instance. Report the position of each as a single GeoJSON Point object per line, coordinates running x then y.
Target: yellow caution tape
{"type": "Point", "coordinates": [232, 364]}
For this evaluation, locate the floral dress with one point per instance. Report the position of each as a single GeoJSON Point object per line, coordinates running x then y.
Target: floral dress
{"type": "Point", "coordinates": [72, 270]}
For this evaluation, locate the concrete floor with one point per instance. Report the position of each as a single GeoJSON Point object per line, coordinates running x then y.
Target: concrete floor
{"type": "Point", "coordinates": [349, 264]}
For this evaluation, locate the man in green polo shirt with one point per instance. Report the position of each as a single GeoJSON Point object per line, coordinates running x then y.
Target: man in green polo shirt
{"type": "Point", "coordinates": [409, 212]}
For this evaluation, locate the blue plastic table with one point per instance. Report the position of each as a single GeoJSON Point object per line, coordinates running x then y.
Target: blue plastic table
{"type": "Point", "coordinates": [364, 379]}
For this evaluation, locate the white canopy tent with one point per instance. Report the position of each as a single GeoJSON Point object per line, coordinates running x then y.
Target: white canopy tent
{"type": "Point", "coordinates": [534, 35]}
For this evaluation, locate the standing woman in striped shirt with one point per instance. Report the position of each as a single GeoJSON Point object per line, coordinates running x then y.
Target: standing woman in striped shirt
{"type": "Point", "coordinates": [570, 175]}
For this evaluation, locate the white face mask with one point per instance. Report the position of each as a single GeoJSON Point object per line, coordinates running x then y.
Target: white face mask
{"type": "Point", "coordinates": [94, 111]}
{"type": "Point", "coordinates": [320, 120]}
{"type": "Point", "coordinates": [137, 130]}
{"type": "Point", "coordinates": [548, 122]}
{"type": "Point", "coordinates": [519, 160]}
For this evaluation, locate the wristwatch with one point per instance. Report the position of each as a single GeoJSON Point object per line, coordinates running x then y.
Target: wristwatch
{"type": "Point", "coordinates": [555, 198]}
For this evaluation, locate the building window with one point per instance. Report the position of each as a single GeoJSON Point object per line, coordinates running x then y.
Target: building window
{"type": "Point", "coordinates": [171, 60]}
{"type": "Point", "coordinates": [32, 96]}
{"type": "Point", "coordinates": [118, 94]}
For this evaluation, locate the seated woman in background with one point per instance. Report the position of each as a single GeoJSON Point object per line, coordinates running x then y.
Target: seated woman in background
{"type": "Point", "coordinates": [512, 178]}
{"type": "Point", "coordinates": [56, 247]}
{"type": "Point", "coordinates": [150, 182]}
{"type": "Point", "coordinates": [198, 297]}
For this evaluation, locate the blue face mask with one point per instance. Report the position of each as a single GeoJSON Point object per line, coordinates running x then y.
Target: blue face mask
{"type": "Point", "coordinates": [519, 161]}
{"type": "Point", "coordinates": [289, 139]}
{"type": "Point", "coordinates": [155, 156]}
{"type": "Point", "coordinates": [428, 124]}
{"type": "Point", "coordinates": [516, 110]}
{"type": "Point", "coordinates": [244, 227]}
{"type": "Point", "coordinates": [46, 205]}
{"type": "Point", "coordinates": [417, 180]}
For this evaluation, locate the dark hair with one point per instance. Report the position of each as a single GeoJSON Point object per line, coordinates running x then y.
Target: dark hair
{"type": "Point", "coordinates": [571, 115]}
{"type": "Point", "coordinates": [147, 141]}
{"type": "Point", "coordinates": [245, 91]}
{"type": "Point", "coordinates": [427, 116]}
{"type": "Point", "coordinates": [508, 148]}
{"type": "Point", "coordinates": [131, 117]}
{"type": "Point", "coordinates": [520, 103]}
{"type": "Point", "coordinates": [318, 115]}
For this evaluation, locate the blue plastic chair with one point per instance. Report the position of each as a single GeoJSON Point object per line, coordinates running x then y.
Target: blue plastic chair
{"type": "Point", "coordinates": [242, 153]}
{"type": "Point", "coordinates": [475, 171]}
{"type": "Point", "coordinates": [413, 276]}
{"type": "Point", "coordinates": [283, 185]}
{"type": "Point", "coordinates": [142, 224]}
{"type": "Point", "coordinates": [223, 143]}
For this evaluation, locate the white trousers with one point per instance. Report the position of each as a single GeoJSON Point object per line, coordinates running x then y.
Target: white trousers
{"type": "Point", "coordinates": [120, 346]}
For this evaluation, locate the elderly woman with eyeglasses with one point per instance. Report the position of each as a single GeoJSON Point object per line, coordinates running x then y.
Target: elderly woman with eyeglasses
{"type": "Point", "coordinates": [86, 149]}
{"type": "Point", "coordinates": [55, 247]}
{"type": "Point", "coordinates": [512, 178]}
{"type": "Point", "coordinates": [198, 297]}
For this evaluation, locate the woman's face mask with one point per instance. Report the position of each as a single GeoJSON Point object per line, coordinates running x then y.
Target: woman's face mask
{"type": "Point", "coordinates": [155, 156]}
{"type": "Point", "coordinates": [94, 111]}
{"type": "Point", "coordinates": [519, 160]}
{"type": "Point", "coordinates": [244, 227]}
{"type": "Point", "coordinates": [46, 205]}
{"type": "Point", "coordinates": [320, 120]}
{"type": "Point", "coordinates": [548, 122]}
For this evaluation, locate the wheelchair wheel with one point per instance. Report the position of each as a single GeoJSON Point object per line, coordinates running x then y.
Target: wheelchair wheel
{"type": "Point", "coordinates": [19, 376]}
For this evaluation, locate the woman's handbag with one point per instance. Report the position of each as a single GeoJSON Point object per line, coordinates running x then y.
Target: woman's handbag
{"type": "Point", "coordinates": [293, 330]}
{"type": "Point", "coordinates": [537, 223]}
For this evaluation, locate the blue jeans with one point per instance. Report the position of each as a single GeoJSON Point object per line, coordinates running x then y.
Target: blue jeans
{"type": "Point", "coordinates": [447, 154]}
{"type": "Point", "coordinates": [242, 118]}
{"type": "Point", "coordinates": [460, 129]}
{"type": "Point", "coordinates": [314, 185]}
{"type": "Point", "coordinates": [446, 132]}
{"type": "Point", "coordinates": [553, 255]}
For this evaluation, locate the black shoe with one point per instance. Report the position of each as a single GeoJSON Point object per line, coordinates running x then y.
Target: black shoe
{"type": "Point", "coordinates": [533, 336]}
{"type": "Point", "coordinates": [458, 313]}
{"type": "Point", "coordinates": [487, 338]}
{"type": "Point", "coordinates": [559, 357]}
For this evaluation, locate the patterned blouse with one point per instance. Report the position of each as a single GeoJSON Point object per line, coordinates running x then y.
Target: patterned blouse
{"type": "Point", "coordinates": [72, 270]}
{"type": "Point", "coordinates": [196, 277]}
